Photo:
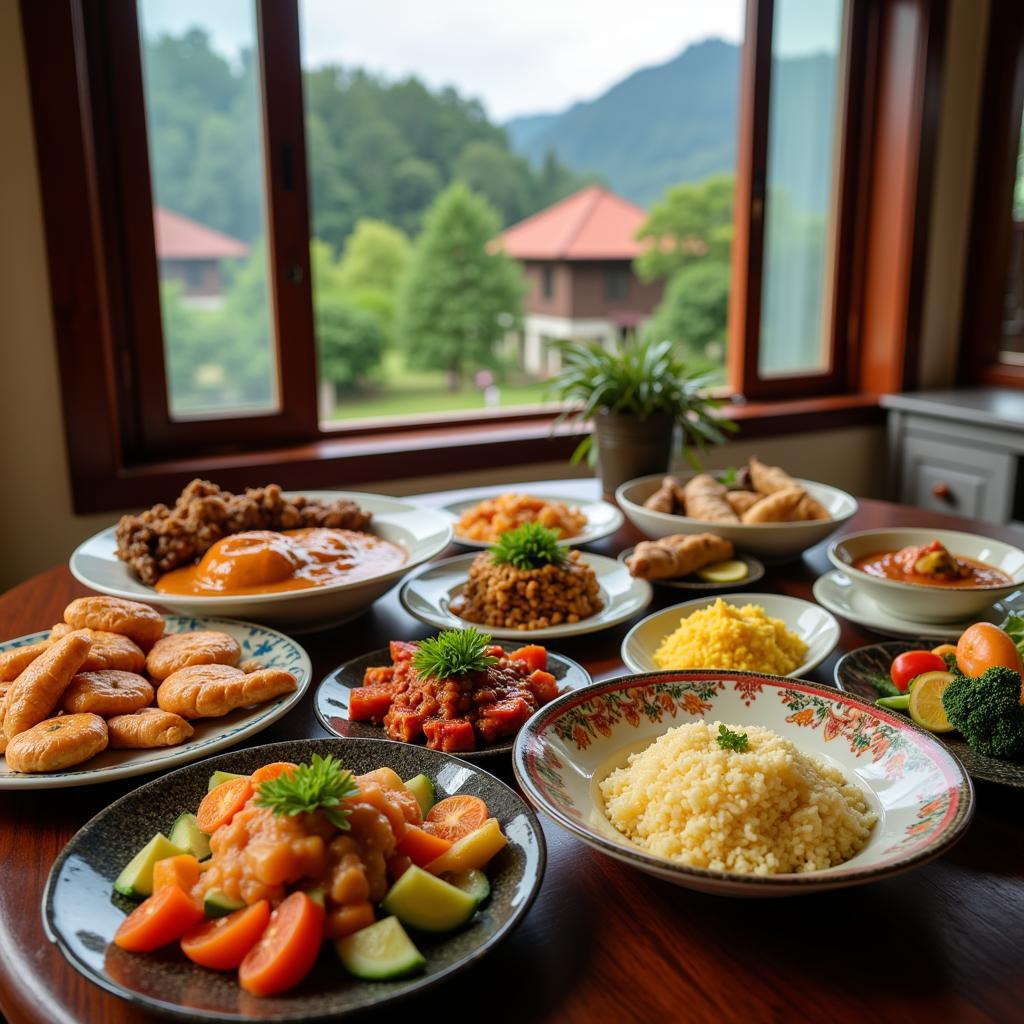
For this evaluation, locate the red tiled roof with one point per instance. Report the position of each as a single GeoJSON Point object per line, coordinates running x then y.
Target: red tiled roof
{"type": "Point", "coordinates": [179, 238]}
{"type": "Point", "coordinates": [592, 224]}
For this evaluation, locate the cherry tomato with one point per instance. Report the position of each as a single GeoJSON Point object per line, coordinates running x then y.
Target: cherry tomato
{"type": "Point", "coordinates": [911, 664]}
{"type": "Point", "coordinates": [287, 950]}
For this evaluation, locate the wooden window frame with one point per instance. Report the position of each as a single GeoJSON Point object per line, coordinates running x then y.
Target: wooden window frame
{"type": "Point", "coordinates": [123, 448]}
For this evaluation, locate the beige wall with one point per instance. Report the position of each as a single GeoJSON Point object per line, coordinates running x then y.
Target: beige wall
{"type": "Point", "coordinates": [37, 527]}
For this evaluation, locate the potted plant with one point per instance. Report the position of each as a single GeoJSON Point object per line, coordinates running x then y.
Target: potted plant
{"type": "Point", "coordinates": [643, 401]}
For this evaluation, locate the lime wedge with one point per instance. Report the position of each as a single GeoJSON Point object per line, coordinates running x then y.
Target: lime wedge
{"type": "Point", "coordinates": [731, 571]}
{"type": "Point", "coordinates": [926, 701]}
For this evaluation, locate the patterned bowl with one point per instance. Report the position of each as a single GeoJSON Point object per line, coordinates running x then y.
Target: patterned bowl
{"type": "Point", "coordinates": [922, 795]}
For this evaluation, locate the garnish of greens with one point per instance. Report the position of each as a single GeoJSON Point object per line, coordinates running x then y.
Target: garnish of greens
{"type": "Point", "coordinates": [729, 740]}
{"type": "Point", "coordinates": [530, 546]}
{"type": "Point", "coordinates": [320, 785]}
{"type": "Point", "coordinates": [883, 685]}
{"type": "Point", "coordinates": [455, 652]}
{"type": "Point", "coordinates": [1014, 628]}
{"type": "Point", "coordinates": [729, 477]}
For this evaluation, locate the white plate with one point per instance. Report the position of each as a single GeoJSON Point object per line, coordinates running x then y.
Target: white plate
{"type": "Point", "coordinates": [272, 649]}
{"type": "Point", "coordinates": [422, 532]}
{"type": "Point", "coordinates": [815, 626]}
{"type": "Point", "coordinates": [603, 518]}
{"type": "Point", "coordinates": [428, 594]}
{"type": "Point", "coordinates": [837, 592]}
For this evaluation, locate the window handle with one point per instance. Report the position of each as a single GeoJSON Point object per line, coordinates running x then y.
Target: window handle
{"type": "Point", "coordinates": [287, 166]}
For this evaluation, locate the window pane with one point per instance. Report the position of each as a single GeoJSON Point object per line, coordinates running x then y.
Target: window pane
{"type": "Point", "coordinates": [472, 204]}
{"type": "Point", "coordinates": [800, 189]}
{"type": "Point", "coordinates": [206, 156]}
{"type": "Point", "coordinates": [1012, 347]}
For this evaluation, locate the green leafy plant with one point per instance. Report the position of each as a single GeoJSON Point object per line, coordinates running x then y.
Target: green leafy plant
{"type": "Point", "coordinates": [455, 652]}
{"type": "Point", "coordinates": [320, 785]}
{"type": "Point", "coordinates": [643, 378]}
{"type": "Point", "coordinates": [530, 546]}
{"type": "Point", "coordinates": [729, 740]}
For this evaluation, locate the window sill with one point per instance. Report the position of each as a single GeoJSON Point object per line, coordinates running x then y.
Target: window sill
{"type": "Point", "coordinates": [363, 458]}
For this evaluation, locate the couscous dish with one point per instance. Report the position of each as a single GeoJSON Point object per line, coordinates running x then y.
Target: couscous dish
{"type": "Point", "coordinates": [727, 637]}
{"type": "Point", "coordinates": [737, 798]}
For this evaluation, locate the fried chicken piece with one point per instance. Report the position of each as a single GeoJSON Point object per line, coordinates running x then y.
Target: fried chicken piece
{"type": "Point", "coordinates": [108, 651]}
{"type": "Point", "coordinates": [137, 621]}
{"type": "Point", "coordinates": [146, 729]}
{"type": "Point", "coordinates": [57, 743]}
{"type": "Point", "coordinates": [107, 692]}
{"type": "Point", "coordinates": [740, 501]}
{"type": "Point", "coordinates": [179, 650]}
{"type": "Point", "coordinates": [677, 555]}
{"type": "Point", "coordinates": [209, 691]}
{"type": "Point", "coordinates": [17, 659]}
{"type": "Point", "coordinates": [792, 505]}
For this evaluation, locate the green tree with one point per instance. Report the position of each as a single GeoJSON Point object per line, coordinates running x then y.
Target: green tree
{"type": "Point", "coordinates": [460, 295]}
{"type": "Point", "coordinates": [503, 180]}
{"type": "Point", "coordinates": [694, 311]}
{"type": "Point", "coordinates": [375, 256]}
{"type": "Point", "coordinates": [415, 185]}
{"type": "Point", "coordinates": [349, 342]}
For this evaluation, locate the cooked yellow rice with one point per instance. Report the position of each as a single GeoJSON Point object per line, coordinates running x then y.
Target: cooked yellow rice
{"type": "Point", "coordinates": [724, 636]}
{"type": "Point", "coordinates": [766, 810]}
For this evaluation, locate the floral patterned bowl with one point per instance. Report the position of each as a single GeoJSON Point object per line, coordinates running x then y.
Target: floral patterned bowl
{"type": "Point", "coordinates": [922, 795]}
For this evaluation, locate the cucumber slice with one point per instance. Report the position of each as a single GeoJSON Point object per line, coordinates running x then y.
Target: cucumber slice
{"type": "Point", "coordinates": [474, 882]}
{"type": "Point", "coordinates": [136, 881]}
{"type": "Point", "coordinates": [318, 896]}
{"type": "Point", "coordinates": [423, 789]}
{"type": "Point", "coordinates": [422, 900]}
{"type": "Point", "coordinates": [219, 904]}
{"type": "Point", "coordinates": [731, 571]}
{"type": "Point", "coordinates": [185, 832]}
{"type": "Point", "coordinates": [380, 952]}
{"type": "Point", "coordinates": [218, 777]}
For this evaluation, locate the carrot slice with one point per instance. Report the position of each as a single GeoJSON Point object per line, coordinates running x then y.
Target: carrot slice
{"type": "Point", "coordinates": [287, 950]}
{"type": "Point", "coordinates": [220, 805]}
{"type": "Point", "coordinates": [420, 846]}
{"type": "Point", "coordinates": [342, 921]}
{"type": "Point", "coordinates": [223, 943]}
{"type": "Point", "coordinates": [271, 771]}
{"type": "Point", "coordinates": [456, 817]}
{"type": "Point", "coordinates": [182, 870]}
{"type": "Point", "coordinates": [164, 917]}
{"type": "Point", "coordinates": [535, 656]}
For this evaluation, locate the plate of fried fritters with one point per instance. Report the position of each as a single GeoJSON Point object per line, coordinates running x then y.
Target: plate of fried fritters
{"type": "Point", "coordinates": [116, 689]}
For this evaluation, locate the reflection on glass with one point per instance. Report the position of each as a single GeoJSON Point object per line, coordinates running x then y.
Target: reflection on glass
{"type": "Point", "coordinates": [803, 151]}
{"type": "Point", "coordinates": [1012, 347]}
{"type": "Point", "coordinates": [206, 157]}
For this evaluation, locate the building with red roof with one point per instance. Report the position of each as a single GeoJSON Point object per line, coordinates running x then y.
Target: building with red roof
{"type": "Point", "coordinates": [193, 254]}
{"type": "Point", "coordinates": [578, 258]}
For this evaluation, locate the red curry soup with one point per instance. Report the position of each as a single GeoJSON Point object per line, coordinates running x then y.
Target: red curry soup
{"type": "Point", "coordinates": [932, 565]}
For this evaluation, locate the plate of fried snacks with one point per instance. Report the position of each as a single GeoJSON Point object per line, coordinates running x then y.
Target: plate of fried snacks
{"type": "Point", "coordinates": [116, 690]}
{"type": "Point", "coordinates": [479, 522]}
{"type": "Point", "coordinates": [298, 881]}
{"type": "Point", "coordinates": [458, 692]}
{"type": "Point", "coordinates": [528, 584]}
{"type": "Point", "coordinates": [759, 508]}
{"type": "Point", "coordinates": [692, 561]}
{"type": "Point", "coordinates": [741, 783]}
{"type": "Point", "coordinates": [304, 561]}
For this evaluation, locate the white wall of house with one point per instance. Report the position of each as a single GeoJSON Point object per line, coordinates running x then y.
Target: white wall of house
{"type": "Point", "coordinates": [539, 329]}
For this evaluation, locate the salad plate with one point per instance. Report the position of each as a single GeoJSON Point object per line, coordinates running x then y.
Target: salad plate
{"type": "Point", "coordinates": [80, 915]}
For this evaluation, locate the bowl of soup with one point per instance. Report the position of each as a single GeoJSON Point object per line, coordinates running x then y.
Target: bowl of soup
{"type": "Point", "coordinates": [297, 579]}
{"type": "Point", "coordinates": [930, 575]}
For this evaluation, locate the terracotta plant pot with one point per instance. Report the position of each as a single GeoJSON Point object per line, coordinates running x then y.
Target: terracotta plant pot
{"type": "Point", "coordinates": [628, 447]}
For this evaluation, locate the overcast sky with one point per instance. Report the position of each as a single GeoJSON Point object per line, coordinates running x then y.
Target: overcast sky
{"type": "Point", "coordinates": [525, 57]}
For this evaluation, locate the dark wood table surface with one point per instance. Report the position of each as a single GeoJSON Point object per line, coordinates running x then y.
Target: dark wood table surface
{"type": "Point", "coordinates": [604, 943]}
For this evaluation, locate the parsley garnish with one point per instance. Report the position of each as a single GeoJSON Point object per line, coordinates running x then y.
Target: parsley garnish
{"type": "Point", "coordinates": [319, 786]}
{"type": "Point", "coordinates": [883, 685]}
{"type": "Point", "coordinates": [455, 652]}
{"type": "Point", "coordinates": [529, 546]}
{"type": "Point", "coordinates": [729, 740]}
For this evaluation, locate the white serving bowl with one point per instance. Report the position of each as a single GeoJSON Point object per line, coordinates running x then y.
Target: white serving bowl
{"type": "Point", "coordinates": [922, 602]}
{"type": "Point", "coordinates": [421, 532]}
{"type": "Point", "coordinates": [766, 540]}
{"type": "Point", "coordinates": [919, 790]}
{"type": "Point", "coordinates": [813, 624]}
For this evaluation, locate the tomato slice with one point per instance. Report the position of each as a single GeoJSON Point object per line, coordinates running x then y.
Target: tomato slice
{"type": "Point", "coordinates": [222, 944]}
{"type": "Point", "coordinates": [911, 664]}
{"type": "Point", "coordinates": [533, 655]}
{"type": "Point", "coordinates": [220, 805]}
{"type": "Point", "coordinates": [161, 919]}
{"type": "Point", "coordinates": [271, 771]}
{"type": "Point", "coordinates": [287, 950]}
{"type": "Point", "coordinates": [456, 817]}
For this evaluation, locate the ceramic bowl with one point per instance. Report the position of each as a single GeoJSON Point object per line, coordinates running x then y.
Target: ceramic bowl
{"type": "Point", "coordinates": [421, 532]}
{"type": "Point", "coordinates": [815, 626]}
{"type": "Point", "coordinates": [80, 912]}
{"type": "Point", "coordinates": [920, 602]}
{"type": "Point", "coordinates": [766, 540]}
{"type": "Point", "coordinates": [919, 790]}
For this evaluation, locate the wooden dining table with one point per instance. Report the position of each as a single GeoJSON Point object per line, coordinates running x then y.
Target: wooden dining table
{"type": "Point", "coordinates": [603, 943]}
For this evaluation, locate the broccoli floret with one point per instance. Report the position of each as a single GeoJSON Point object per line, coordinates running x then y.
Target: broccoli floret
{"type": "Point", "coordinates": [987, 712]}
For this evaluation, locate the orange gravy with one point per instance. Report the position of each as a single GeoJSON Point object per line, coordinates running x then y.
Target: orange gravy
{"type": "Point", "coordinates": [267, 562]}
{"type": "Point", "coordinates": [979, 574]}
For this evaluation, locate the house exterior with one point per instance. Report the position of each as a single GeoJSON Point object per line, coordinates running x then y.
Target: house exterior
{"type": "Point", "coordinates": [578, 259]}
{"type": "Point", "coordinates": [193, 253]}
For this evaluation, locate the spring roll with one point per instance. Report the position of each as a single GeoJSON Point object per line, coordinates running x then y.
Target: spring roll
{"type": "Point", "coordinates": [791, 505]}
{"type": "Point", "coordinates": [664, 499]}
{"type": "Point", "coordinates": [704, 497]}
{"type": "Point", "coordinates": [740, 501]}
{"type": "Point", "coordinates": [769, 479]}
{"type": "Point", "coordinates": [678, 555]}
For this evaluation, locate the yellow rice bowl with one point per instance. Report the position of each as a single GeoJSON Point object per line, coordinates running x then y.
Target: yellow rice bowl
{"type": "Point", "coordinates": [769, 809]}
{"type": "Point", "coordinates": [725, 636]}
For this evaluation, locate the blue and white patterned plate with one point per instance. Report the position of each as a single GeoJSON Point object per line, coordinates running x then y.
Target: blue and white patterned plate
{"type": "Point", "coordinates": [270, 648]}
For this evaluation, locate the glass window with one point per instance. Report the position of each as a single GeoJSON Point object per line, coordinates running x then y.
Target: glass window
{"type": "Point", "coordinates": [800, 187]}
{"type": "Point", "coordinates": [1011, 350]}
{"type": "Point", "coordinates": [204, 125]}
{"type": "Point", "coordinates": [616, 283]}
{"type": "Point", "coordinates": [547, 280]}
